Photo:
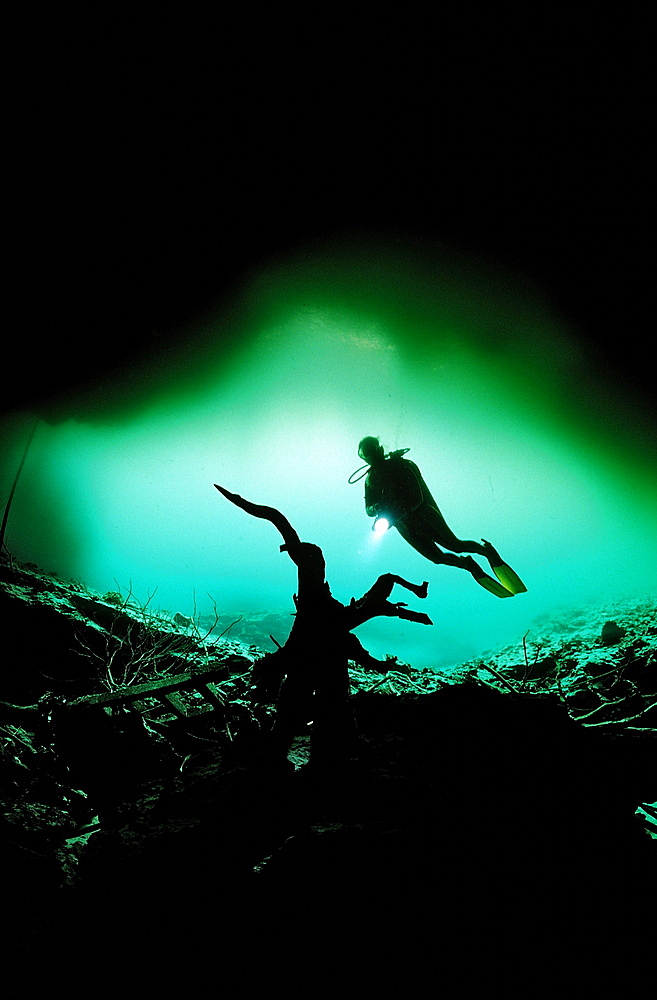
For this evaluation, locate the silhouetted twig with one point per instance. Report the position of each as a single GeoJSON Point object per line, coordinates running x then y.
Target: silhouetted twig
{"type": "Point", "coordinates": [5, 517]}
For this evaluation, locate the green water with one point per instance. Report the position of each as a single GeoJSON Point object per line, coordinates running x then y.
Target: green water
{"type": "Point", "coordinates": [472, 370]}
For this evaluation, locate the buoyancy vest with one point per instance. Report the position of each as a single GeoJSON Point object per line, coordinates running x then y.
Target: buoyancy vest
{"type": "Point", "coordinates": [397, 487]}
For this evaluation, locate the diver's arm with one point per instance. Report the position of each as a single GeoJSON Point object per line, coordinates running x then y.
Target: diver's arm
{"type": "Point", "coordinates": [373, 496]}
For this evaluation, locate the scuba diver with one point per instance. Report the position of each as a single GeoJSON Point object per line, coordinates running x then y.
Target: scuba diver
{"type": "Point", "coordinates": [397, 496]}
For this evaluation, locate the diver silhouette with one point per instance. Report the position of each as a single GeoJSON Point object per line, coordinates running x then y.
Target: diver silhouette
{"type": "Point", "coordinates": [308, 677]}
{"type": "Point", "coordinates": [396, 492]}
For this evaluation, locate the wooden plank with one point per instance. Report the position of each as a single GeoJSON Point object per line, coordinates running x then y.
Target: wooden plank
{"type": "Point", "coordinates": [163, 686]}
{"type": "Point", "coordinates": [210, 695]}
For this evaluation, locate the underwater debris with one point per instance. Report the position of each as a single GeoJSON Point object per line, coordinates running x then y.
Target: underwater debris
{"type": "Point", "coordinates": [308, 676]}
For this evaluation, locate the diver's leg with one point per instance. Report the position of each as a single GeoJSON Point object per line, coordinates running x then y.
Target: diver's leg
{"type": "Point", "coordinates": [483, 579]}
{"type": "Point", "coordinates": [436, 527]}
{"type": "Point", "coordinates": [426, 546]}
{"type": "Point", "coordinates": [430, 550]}
{"type": "Point", "coordinates": [502, 570]}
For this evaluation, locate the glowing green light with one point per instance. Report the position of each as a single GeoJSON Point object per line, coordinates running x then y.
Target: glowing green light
{"type": "Point", "coordinates": [380, 526]}
{"type": "Point", "coordinates": [478, 378]}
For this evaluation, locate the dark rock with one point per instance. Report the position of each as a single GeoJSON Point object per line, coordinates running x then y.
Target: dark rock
{"type": "Point", "coordinates": [474, 838]}
{"type": "Point", "coordinates": [643, 673]}
{"type": "Point", "coordinates": [611, 634]}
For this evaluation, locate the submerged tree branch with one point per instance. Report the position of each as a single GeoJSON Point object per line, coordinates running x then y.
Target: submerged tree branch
{"type": "Point", "coordinates": [279, 520]}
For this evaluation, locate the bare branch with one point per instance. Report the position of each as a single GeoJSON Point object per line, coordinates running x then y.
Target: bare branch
{"type": "Point", "coordinates": [290, 537]}
{"type": "Point", "coordinates": [501, 679]}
